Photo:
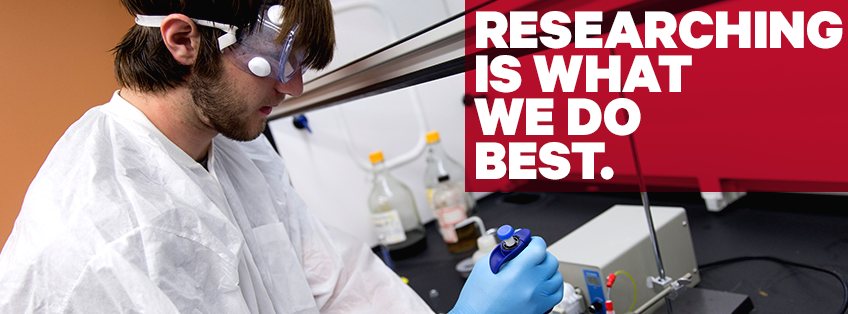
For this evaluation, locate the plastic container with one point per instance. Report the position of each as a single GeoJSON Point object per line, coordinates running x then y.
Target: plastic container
{"type": "Point", "coordinates": [439, 163]}
{"type": "Point", "coordinates": [457, 224]}
{"type": "Point", "coordinates": [394, 213]}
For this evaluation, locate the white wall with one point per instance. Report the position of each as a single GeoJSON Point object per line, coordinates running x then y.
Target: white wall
{"type": "Point", "coordinates": [322, 170]}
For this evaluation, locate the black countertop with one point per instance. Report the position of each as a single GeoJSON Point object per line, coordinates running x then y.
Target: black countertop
{"type": "Point", "coordinates": [803, 228]}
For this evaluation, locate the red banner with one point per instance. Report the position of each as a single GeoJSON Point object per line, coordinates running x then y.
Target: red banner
{"type": "Point", "coordinates": [743, 95]}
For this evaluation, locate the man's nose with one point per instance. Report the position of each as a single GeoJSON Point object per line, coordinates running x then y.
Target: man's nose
{"type": "Point", "coordinates": [294, 87]}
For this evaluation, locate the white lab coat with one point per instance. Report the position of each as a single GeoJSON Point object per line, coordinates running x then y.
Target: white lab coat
{"type": "Point", "coordinates": [121, 220]}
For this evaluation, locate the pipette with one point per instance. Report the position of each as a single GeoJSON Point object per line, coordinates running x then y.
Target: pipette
{"type": "Point", "coordinates": [512, 243]}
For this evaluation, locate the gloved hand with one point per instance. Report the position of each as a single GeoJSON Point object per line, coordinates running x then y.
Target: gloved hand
{"type": "Point", "coordinates": [530, 283]}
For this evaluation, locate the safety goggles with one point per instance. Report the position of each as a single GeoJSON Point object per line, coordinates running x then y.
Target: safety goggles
{"type": "Point", "coordinates": [254, 52]}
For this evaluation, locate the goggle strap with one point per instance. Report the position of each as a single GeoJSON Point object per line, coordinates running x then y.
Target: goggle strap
{"type": "Point", "coordinates": [224, 41]}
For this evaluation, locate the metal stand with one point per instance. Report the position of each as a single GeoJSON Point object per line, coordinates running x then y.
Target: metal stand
{"type": "Point", "coordinates": [662, 280]}
{"type": "Point", "coordinates": [656, 244]}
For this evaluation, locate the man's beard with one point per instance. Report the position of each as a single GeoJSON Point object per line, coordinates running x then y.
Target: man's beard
{"type": "Point", "coordinates": [216, 100]}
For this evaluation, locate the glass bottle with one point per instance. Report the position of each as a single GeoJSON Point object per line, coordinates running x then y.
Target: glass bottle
{"type": "Point", "coordinates": [439, 163]}
{"type": "Point", "coordinates": [393, 213]}
{"type": "Point", "coordinates": [458, 226]}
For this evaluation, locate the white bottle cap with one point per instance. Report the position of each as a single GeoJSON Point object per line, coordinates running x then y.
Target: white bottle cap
{"type": "Point", "coordinates": [486, 243]}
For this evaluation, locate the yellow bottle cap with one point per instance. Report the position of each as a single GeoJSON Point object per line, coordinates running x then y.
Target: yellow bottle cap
{"type": "Point", "coordinates": [432, 136]}
{"type": "Point", "coordinates": [376, 156]}
{"type": "Point", "coordinates": [406, 281]}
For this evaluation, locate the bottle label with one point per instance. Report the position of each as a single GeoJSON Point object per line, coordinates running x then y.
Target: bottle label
{"type": "Point", "coordinates": [448, 234]}
{"type": "Point", "coordinates": [388, 224]}
{"type": "Point", "coordinates": [452, 215]}
{"type": "Point", "coordinates": [448, 217]}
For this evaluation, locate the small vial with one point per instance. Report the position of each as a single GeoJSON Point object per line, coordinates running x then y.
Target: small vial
{"type": "Point", "coordinates": [434, 301]}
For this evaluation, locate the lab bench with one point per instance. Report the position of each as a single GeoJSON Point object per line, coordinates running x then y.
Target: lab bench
{"type": "Point", "coordinates": [803, 228]}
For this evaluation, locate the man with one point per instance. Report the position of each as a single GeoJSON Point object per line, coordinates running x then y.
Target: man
{"type": "Point", "coordinates": [167, 199]}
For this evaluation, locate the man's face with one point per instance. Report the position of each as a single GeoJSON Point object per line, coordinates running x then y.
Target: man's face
{"type": "Point", "coordinates": [235, 103]}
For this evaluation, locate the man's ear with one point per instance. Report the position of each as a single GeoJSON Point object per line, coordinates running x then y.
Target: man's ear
{"type": "Point", "coordinates": [181, 37]}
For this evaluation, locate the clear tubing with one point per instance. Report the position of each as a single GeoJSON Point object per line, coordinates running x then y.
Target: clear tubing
{"type": "Point", "coordinates": [421, 144]}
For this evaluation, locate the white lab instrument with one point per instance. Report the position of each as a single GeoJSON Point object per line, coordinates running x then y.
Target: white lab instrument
{"type": "Point", "coordinates": [618, 239]}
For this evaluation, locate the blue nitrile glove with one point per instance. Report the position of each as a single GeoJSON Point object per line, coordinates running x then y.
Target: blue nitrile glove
{"type": "Point", "coordinates": [530, 283]}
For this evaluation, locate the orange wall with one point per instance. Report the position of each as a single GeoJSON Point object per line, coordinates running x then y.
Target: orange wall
{"type": "Point", "coordinates": [54, 65]}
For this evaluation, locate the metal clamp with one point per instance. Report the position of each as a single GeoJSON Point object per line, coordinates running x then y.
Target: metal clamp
{"type": "Point", "coordinates": [671, 290]}
{"type": "Point", "coordinates": [678, 286]}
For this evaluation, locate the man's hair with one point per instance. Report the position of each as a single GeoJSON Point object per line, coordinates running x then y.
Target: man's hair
{"type": "Point", "coordinates": [143, 62]}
